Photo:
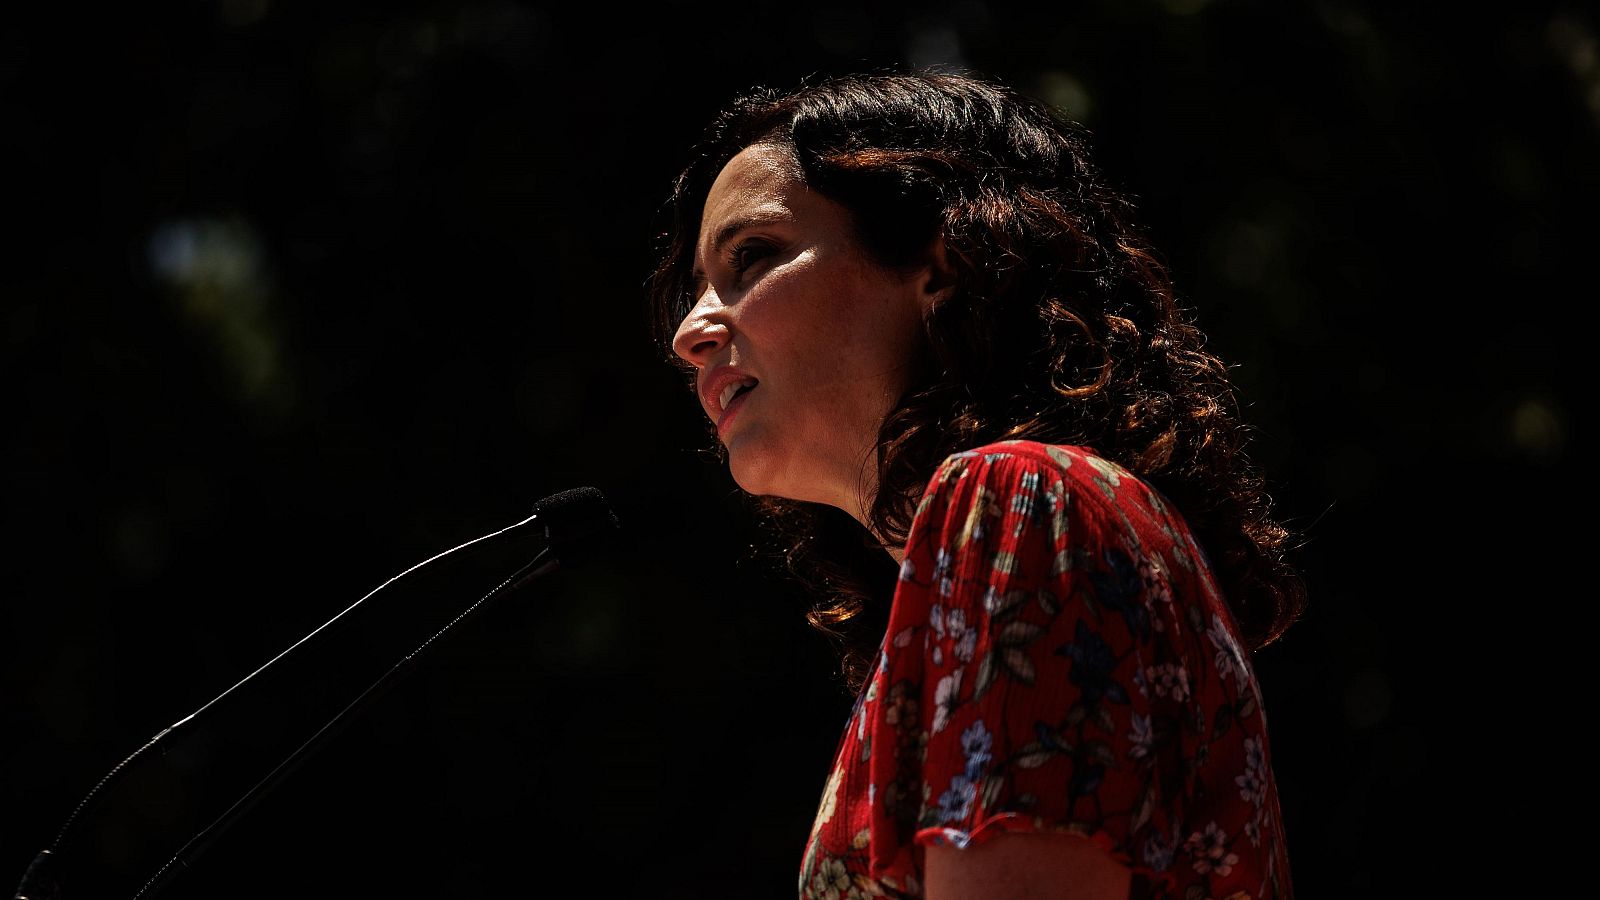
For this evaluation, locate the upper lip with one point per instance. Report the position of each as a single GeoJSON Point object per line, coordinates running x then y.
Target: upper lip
{"type": "Point", "coordinates": [712, 384]}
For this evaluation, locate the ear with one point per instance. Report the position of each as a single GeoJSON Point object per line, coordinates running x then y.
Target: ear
{"type": "Point", "coordinates": [937, 280]}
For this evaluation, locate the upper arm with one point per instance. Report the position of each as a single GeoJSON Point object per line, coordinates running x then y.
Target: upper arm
{"type": "Point", "coordinates": [1024, 866]}
{"type": "Point", "coordinates": [1014, 652]}
{"type": "Point", "coordinates": [1060, 700]}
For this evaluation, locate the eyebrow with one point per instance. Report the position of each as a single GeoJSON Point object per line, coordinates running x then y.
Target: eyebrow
{"type": "Point", "coordinates": [729, 229]}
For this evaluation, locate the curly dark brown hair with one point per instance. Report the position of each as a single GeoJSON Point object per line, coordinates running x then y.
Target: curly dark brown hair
{"type": "Point", "coordinates": [1063, 328]}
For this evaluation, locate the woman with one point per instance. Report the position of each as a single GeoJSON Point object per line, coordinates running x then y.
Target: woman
{"type": "Point", "coordinates": [928, 336]}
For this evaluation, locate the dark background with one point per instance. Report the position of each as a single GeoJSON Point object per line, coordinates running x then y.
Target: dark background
{"type": "Point", "coordinates": [299, 295]}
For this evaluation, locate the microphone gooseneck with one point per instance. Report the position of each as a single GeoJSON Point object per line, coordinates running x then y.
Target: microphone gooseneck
{"type": "Point", "coordinates": [574, 522]}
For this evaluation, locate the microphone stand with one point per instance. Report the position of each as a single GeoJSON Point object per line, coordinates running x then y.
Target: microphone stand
{"type": "Point", "coordinates": [42, 880]}
{"type": "Point", "coordinates": [543, 563]}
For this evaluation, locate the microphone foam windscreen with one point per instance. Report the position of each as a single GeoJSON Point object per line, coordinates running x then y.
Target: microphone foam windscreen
{"type": "Point", "coordinates": [576, 521]}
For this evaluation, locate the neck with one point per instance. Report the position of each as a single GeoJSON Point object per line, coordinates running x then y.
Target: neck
{"type": "Point", "coordinates": [895, 550]}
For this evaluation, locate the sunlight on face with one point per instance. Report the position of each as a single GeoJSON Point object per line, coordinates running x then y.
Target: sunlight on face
{"type": "Point", "coordinates": [790, 299]}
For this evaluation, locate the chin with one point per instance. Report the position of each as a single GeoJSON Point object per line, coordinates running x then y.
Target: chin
{"type": "Point", "coordinates": [758, 474]}
{"type": "Point", "coordinates": [751, 479]}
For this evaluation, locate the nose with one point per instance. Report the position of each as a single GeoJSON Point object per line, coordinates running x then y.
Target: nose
{"type": "Point", "coordinates": [703, 332]}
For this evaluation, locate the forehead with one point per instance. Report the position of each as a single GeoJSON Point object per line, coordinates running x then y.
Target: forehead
{"type": "Point", "coordinates": [760, 181]}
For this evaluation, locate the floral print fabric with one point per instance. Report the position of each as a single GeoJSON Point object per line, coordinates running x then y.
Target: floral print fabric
{"type": "Point", "coordinates": [1058, 658]}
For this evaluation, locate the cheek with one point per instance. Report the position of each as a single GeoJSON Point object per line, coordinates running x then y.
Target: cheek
{"type": "Point", "coordinates": [844, 323]}
{"type": "Point", "coordinates": [860, 307]}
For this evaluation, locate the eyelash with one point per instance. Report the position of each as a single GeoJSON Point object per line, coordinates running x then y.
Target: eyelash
{"type": "Point", "coordinates": [737, 253]}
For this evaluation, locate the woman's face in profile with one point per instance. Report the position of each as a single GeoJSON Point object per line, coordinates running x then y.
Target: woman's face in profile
{"type": "Point", "coordinates": [790, 303]}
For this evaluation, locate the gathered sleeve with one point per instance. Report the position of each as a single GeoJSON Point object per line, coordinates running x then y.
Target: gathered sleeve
{"type": "Point", "coordinates": [1028, 680]}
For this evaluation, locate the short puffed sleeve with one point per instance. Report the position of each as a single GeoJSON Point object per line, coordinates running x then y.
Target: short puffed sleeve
{"type": "Point", "coordinates": [1036, 673]}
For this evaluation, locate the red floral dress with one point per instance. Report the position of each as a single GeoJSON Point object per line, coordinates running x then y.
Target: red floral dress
{"type": "Point", "coordinates": [1058, 658]}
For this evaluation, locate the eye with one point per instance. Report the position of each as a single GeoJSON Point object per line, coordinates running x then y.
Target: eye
{"type": "Point", "coordinates": [743, 255]}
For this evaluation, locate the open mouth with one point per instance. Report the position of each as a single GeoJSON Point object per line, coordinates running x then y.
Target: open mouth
{"type": "Point", "coordinates": [734, 401]}
{"type": "Point", "coordinates": [734, 390]}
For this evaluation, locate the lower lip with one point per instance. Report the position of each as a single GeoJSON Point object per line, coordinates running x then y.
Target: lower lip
{"type": "Point", "coordinates": [727, 414]}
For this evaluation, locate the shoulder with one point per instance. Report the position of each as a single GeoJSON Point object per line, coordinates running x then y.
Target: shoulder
{"type": "Point", "coordinates": [1016, 464]}
{"type": "Point", "coordinates": [1043, 490]}
{"type": "Point", "coordinates": [1058, 456]}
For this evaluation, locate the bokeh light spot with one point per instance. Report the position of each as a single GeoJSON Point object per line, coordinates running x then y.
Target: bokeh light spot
{"type": "Point", "coordinates": [242, 13]}
{"type": "Point", "coordinates": [216, 269]}
{"type": "Point", "coordinates": [1066, 93]}
{"type": "Point", "coordinates": [1538, 430]}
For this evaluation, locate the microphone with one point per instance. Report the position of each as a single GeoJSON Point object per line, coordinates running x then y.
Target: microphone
{"type": "Point", "coordinates": [576, 524]}
{"type": "Point", "coordinates": [576, 521]}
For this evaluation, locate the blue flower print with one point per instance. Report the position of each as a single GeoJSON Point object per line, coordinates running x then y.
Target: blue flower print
{"type": "Point", "coordinates": [976, 746]}
{"type": "Point", "coordinates": [1158, 851]}
{"type": "Point", "coordinates": [956, 803]}
{"type": "Point", "coordinates": [1092, 663]}
{"type": "Point", "coordinates": [1121, 587]}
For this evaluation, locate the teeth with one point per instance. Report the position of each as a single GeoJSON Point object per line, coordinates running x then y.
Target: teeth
{"type": "Point", "coordinates": [732, 388]}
